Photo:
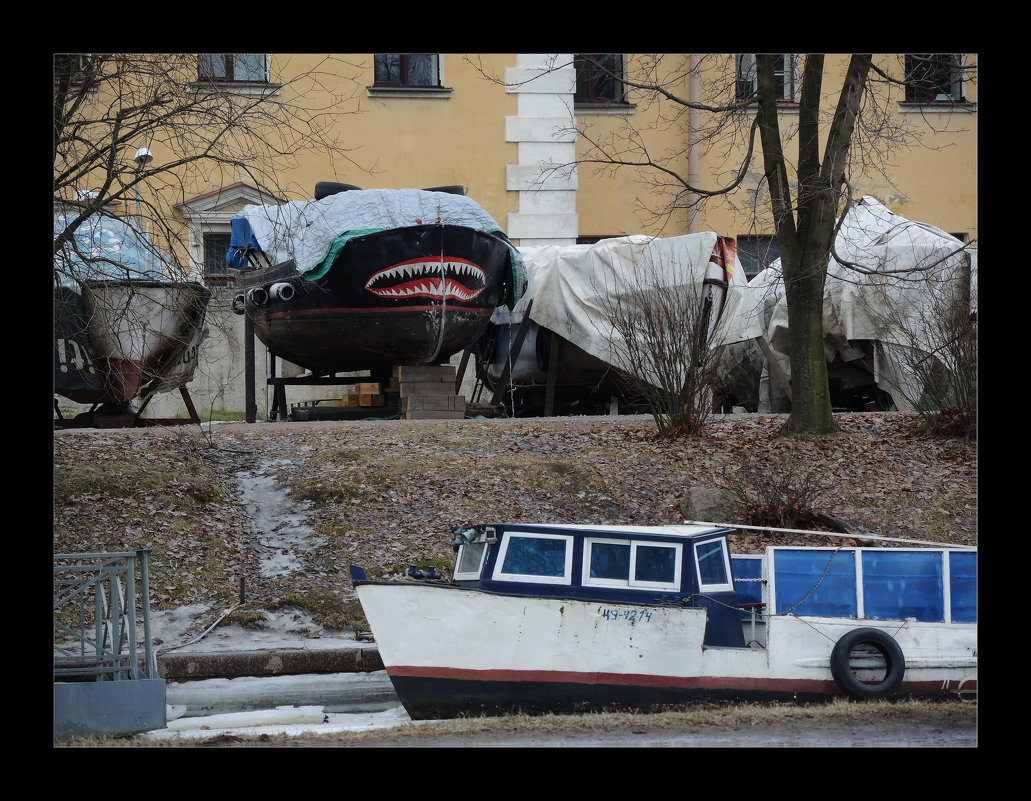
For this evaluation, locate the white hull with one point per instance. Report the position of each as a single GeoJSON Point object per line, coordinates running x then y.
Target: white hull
{"type": "Point", "coordinates": [444, 633]}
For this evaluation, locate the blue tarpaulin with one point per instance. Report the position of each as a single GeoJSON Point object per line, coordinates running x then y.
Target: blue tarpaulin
{"type": "Point", "coordinates": [108, 247]}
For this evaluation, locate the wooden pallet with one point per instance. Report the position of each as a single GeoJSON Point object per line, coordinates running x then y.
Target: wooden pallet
{"type": "Point", "coordinates": [427, 392]}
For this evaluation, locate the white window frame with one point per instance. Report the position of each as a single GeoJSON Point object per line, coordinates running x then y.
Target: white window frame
{"type": "Point", "coordinates": [470, 575]}
{"type": "Point", "coordinates": [630, 582]}
{"type": "Point", "coordinates": [727, 586]}
{"type": "Point", "coordinates": [442, 91]}
{"type": "Point", "coordinates": [213, 214]}
{"type": "Point", "coordinates": [745, 71]}
{"type": "Point", "coordinates": [565, 578]}
{"type": "Point", "coordinates": [234, 80]}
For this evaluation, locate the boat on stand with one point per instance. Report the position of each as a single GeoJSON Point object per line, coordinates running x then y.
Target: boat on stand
{"type": "Point", "coordinates": [573, 618]}
{"type": "Point", "coordinates": [368, 279]}
{"type": "Point", "coordinates": [127, 324]}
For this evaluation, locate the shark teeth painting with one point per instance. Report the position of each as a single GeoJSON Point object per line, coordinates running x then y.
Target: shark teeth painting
{"type": "Point", "coordinates": [438, 278]}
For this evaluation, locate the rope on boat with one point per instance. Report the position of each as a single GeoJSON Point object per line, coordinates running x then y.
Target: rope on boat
{"type": "Point", "coordinates": [925, 543]}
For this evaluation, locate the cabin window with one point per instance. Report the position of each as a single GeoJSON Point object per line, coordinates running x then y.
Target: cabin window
{"type": "Point", "coordinates": [963, 586]}
{"type": "Point", "coordinates": [885, 584]}
{"type": "Point", "coordinates": [815, 582]}
{"type": "Point", "coordinates": [626, 563]}
{"type": "Point", "coordinates": [470, 561]}
{"type": "Point", "coordinates": [713, 561]}
{"type": "Point", "coordinates": [901, 584]}
{"type": "Point", "coordinates": [538, 558]}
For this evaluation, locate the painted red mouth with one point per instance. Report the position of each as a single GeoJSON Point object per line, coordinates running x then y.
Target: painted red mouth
{"type": "Point", "coordinates": [440, 279]}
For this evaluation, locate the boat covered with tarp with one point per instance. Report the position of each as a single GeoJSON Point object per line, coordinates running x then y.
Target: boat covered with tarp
{"type": "Point", "coordinates": [127, 324]}
{"type": "Point", "coordinates": [900, 302]}
{"type": "Point", "coordinates": [570, 310]}
{"type": "Point", "coordinates": [365, 279]}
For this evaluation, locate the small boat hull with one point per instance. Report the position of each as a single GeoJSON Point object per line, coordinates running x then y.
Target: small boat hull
{"type": "Point", "coordinates": [414, 295]}
{"type": "Point", "coordinates": [118, 340]}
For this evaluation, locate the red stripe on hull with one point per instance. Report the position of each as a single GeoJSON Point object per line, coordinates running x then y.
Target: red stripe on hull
{"type": "Point", "coordinates": [346, 311]}
{"type": "Point", "coordinates": [749, 683]}
{"type": "Point", "coordinates": [618, 679]}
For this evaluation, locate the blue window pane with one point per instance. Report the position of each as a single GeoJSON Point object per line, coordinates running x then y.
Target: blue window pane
{"type": "Point", "coordinates": [963, 575]}
{"type": "Point", "coordinates": [901, 584]}
{"type": "Point", "coordinates": [748, 591]}
{"type": "Point", "coordinates": [422, 69]}
{"type": "Point", "coordinates": [610, 561]}
{"type": "Point", "coordinates": [388, 68]}
{"type": "Point", "coordinates": [249, 66]}
{"type": "Point", "coordinates": [655, 564]}
{"type": "Point", "coordinates": [711, 565]}
{"type": "Point", "coordinates": [816, 583]}
{"type": "Point", "coordinates": [211, 65]}
{"type": "Point", "coordinates": [535, 556]}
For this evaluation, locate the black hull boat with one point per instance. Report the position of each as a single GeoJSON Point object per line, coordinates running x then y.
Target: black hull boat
{"type": "Point", "coordinates": [414, 295]}
{"type": "Point", "coordinates": [403, 295]}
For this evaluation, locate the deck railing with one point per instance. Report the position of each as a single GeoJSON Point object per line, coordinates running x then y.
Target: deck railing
{"type": "Point", "coordinates": [96, 617]}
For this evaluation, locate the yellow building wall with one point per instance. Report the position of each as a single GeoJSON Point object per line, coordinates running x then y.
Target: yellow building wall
{"type": "Point", "coordinates": [402, 142]}
{"type": "Point", "coordinates": [930, 177]}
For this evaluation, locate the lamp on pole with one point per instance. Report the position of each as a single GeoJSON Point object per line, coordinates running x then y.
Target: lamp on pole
{"type": "Point", "coordinates": [142, 158]}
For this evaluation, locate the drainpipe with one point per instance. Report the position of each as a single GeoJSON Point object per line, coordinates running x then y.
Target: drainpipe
{"type": "Point", "coordinates": [695, 90]}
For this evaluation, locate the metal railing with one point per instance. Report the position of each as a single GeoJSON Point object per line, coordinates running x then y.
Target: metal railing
{"type": "Point", "coordinates": [96, 617]}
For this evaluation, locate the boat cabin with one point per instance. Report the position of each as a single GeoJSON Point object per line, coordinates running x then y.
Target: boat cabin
{"type": "Point", "coordinates": [691, 566]}
{"type": "Point", "coordinates": [685, 565]}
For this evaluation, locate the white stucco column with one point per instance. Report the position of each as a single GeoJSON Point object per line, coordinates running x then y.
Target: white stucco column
{"type": "Point", "coordinates": [544, 129]}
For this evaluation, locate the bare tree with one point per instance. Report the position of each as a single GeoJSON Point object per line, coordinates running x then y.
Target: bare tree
{"type": "Point", "coordinates": [660, 322]}
{"type": "Point", "coordinates": [195, 131]}
{"type": "Point", "coordinates": [731, 118]}
{"type": "Point", "coordinates": [136, 133]}
{"type": "Point", "coordinates": [931, 355]}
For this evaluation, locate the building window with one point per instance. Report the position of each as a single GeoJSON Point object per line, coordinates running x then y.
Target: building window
{"type": "Point", "coordinates": [785, 75]}
{"type": "Point", "coordinates": [934, 78]}
{"type": "Point", "coordinates": [408, 70]}
{"type": "Point", "coordinates": [216, 246]}
{"type": "Point", "coordinates": [79, 68]}
{"type": "Point", "coordinates": [599, 78]}
{"type": "Point", "coordinates": [756, 253]}
{"type": "Point", "coordinates": [232, 67]}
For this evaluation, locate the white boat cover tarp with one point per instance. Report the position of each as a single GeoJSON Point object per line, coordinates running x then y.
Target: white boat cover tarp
{"type": "Point", "coordinates": [304, 230]}
{"type": "Point", "coordinates": [892, 277]}
{"type": "Point", "coordinates": [573, 287]}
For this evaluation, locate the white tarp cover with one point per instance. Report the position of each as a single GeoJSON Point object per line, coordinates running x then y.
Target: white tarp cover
{"type": "Point", "coordinates": [572, 286]}
{"type": "Point", "coordinates": [304, 230]}
{"type": "Point", "coordinates": [895, 274]}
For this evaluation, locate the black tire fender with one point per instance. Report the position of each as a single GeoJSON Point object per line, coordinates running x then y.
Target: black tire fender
{"type": "Point", "coordinates": [889, 649]}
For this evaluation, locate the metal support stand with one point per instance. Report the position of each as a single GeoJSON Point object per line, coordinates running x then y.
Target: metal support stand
{"type": "Point", "coordinates": [513, 353]}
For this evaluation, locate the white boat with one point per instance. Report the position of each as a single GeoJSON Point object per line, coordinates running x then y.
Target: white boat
{"type": "Point", "coordinates": [567, 618]}
{"type": "Point", "coordinates": [127, 323]}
